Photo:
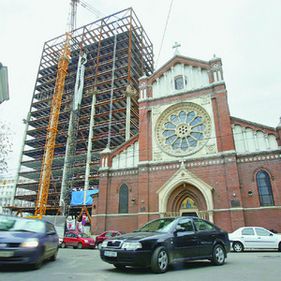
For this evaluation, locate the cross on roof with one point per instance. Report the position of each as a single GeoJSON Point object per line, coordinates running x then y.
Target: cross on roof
{"type": "Point", "coordinates": [176, 46]}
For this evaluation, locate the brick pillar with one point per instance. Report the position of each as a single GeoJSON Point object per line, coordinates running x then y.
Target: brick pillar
{"type": "Point", "coordinates": [99, 218]}
{"type": "Point", "coordinates": [234, 196]}
{"type": "Point", "coordinates": [143, 195]}
{"type": "Point", "coordinates": [225, 141]}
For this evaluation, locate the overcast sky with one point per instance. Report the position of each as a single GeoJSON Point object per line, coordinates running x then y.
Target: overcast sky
{"type": "Point", "coordinates": [246, 34]}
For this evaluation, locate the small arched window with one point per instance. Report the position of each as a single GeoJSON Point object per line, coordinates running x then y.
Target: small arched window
{"type": "Point", "coordinates": [123, 199]}
{"type": "Point", "coordinates": [265, 189]}
{"type": "Point", "coordinates": [180, 82]}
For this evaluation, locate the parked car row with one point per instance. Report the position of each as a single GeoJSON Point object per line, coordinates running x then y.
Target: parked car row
{"type": "Point", "coordinates": [79, 240]}
{"type": "Point", "coordinates": [157, 244]}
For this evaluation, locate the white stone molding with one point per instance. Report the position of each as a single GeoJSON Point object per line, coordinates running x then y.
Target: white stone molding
{"type": "Point", "coordinates": [180, 177]}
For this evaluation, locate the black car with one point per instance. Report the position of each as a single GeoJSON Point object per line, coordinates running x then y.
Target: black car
{"type": "Point", "coordinates": [166, 241]}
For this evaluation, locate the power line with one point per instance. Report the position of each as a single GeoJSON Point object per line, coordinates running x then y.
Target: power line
{"type": "Point", "coordinates": [164, 33]}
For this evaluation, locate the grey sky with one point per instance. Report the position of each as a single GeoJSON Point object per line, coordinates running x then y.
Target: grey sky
{"type": "Point", "coordinates": [246, 34]}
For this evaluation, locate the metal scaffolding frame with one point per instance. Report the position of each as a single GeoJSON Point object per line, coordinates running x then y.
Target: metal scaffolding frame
{"type": "Point", "coordinates": [133, 59]}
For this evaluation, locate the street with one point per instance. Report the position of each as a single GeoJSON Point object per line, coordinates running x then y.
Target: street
{"type": "Point", "coordinates": [82, 265]}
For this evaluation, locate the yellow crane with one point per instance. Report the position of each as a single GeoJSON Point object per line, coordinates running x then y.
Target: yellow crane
{"type": "Point", "coordinates": [48, 157]}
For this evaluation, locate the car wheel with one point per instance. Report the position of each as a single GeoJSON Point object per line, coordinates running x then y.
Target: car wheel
{"type": "Point", "coordinates": [159, 260]}
{"type": "Point", "coordinates": [54, 256]}
{"type": "Point", "coordinates": [279, 247]}
{"type": "Point", "coordinates": [63, 245]}
{"type": "Point", "coordinates": [237, 247]}
{"type": "Point", "coordinates": [79, 246]}
{"type": "Point", "coordinates": [218, 256]}
{"type": "Point", "coordinates": [39, 262]}
{"type": "Point", "coordinates": [119, 266]}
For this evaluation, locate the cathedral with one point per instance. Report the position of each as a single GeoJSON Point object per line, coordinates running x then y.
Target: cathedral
{"type": "Point", "coordinates": [190, 157]}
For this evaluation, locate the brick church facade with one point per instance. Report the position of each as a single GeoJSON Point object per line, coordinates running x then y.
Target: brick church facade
{"type": "Point", "coordinates": [191, 157]}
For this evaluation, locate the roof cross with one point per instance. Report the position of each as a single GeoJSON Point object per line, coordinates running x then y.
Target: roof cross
{"type": "Point", "coordinates": [176, 46]}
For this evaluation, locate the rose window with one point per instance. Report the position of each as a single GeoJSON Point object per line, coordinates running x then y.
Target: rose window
{"type": "Point", "coordinates": [183, 129]}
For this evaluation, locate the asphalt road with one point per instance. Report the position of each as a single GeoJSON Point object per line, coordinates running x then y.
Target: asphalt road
{"type": "Point", "coordinates": [86, 265]}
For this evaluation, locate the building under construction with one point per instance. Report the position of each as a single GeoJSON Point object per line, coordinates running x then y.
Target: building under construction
{"type": "Point", "coordinates": [99, 106]}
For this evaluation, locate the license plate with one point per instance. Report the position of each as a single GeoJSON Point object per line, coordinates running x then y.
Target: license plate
{"type": "Point", "coordinates": [6, 254]}
{"type": "Point", "coordinates": [110, 254]}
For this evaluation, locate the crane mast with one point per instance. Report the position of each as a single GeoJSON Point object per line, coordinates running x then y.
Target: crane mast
{"type": "Point", "coordinates": [48, 157]}
{"type": "Point", "coordinates": [49, 149]}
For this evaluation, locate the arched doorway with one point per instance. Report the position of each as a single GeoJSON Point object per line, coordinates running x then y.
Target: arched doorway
{"type": "Point", "coordinates": [181, 186]}
{"type": "Point", "coordinates": [186, 200]}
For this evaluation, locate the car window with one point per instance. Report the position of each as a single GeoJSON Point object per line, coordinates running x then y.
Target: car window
{"type": "Point", "coordinates": [186, 224]}
{"type": "Point", "coordinates": [248, 231]}
{"type": "Point", "coordinates": [83, 235]}
{"type": "Point", "coordinates": [50, 227]}
{"type": "Point", "coordinates": [21, 224]}
{"type": "Point", "coordinates": [262, 232]}
{"type": "Point", "coordinates": [162, 225]}
{"type": "Point", "coordinates": [108, 234]}
{"type": "Point", "coordinates": [203, 225]}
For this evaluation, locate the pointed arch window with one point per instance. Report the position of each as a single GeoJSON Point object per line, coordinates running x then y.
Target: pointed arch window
{"type": "Point", "coordinates": [123, 199]}
{"type": "Point", "coordinates": [180, 82]}
{"type": "Point", "coordinates": [265, 189]}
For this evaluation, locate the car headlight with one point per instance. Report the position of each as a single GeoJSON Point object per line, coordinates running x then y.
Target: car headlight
{"type": "Point", "coordinates": [131, 246]}
{"type": "Point", "coordinates": [86, 241]}
{"type": "Point", "coordinates": [30, 243]}
{"type": "Point", "coordinates": [104, 244]}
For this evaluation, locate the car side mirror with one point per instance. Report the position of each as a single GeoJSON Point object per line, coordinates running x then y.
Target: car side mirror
{"type": "Point", "coordinates": [270, 234]}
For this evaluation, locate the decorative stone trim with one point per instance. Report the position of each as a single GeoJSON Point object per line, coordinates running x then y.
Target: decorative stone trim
{"type": "Point", "coordinates": [247, 209]}
{"type": "Point", "coordinates": [126, 215]}
{"type": "Point", "coordinates": [258, 158]}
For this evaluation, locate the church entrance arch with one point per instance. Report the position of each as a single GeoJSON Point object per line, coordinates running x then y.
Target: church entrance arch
{"type": "Point", "coordinates": [186, 194]}
{"type": "Point", "coordinates": [187, 200]}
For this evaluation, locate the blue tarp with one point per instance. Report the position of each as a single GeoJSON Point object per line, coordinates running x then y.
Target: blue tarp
{"type": "Point", "coordinates": [77, 197]}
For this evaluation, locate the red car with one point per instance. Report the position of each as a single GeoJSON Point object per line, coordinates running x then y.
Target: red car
{"type": "Point", "coordinates": [106, 235]}
{"type": "Point", "coordinates": [78, 240]}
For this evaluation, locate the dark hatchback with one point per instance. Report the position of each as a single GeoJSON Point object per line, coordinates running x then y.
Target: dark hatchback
{"type": "Point", "coordinates": [166, 241]}
{"type": "Point", "coordinates": [27, 241]}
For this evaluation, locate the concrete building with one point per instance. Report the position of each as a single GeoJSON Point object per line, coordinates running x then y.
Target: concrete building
{"type": "Point", "coordinates": [4, 84]}
{"type": "Point", "coordinates": [6, 194]}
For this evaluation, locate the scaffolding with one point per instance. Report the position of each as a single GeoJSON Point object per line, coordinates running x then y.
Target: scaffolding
{"type": "Point", "coordinates": [118, 53]}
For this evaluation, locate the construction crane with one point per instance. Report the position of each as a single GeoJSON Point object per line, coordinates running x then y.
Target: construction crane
{"type": "Point", "coordinates": [48, 157]}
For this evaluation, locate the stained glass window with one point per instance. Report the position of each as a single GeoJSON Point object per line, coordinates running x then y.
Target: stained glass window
{"type": "Point", "coordinates": [123, 199]}
{"type": "Point", "coordinates": [265, 189]}
{"type": "Point", "coordinates": [184, 130]}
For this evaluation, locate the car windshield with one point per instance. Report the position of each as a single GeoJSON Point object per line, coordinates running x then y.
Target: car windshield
{"type": "Point", "coordinates": [161, 225]}
{"type": "Point", "coordinates": [83, 235]}
{"type": "Point", "coordinates": [21, 225]}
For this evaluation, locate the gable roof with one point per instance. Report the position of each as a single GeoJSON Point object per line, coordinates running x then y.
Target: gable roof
{"type": "Point", "coordinates": [176, 60]}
